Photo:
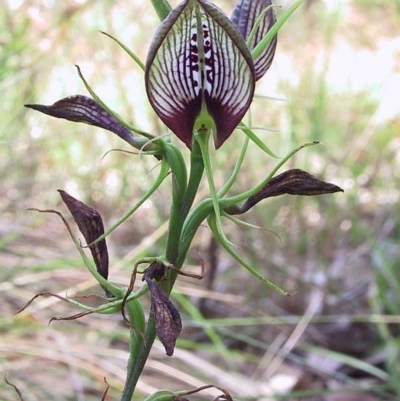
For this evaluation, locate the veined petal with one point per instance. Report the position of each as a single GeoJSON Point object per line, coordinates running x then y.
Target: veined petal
{"type": "Point", "coordinates": [91, 226]}
{"type": "Point", "coordinates": [292, 182]}
{"type": "Point", "coordinates": [244, 16]}
{"type": "Point", "coordinates": [199, 64]}
{"type": "Point", "coordinates": [83, 109]}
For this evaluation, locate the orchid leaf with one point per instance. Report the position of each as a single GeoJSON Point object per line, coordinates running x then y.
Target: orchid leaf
{"type": "Point", "coordinates": [199, 72]}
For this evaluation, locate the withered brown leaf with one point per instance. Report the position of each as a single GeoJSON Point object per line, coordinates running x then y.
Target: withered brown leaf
{"type": "Point", "coordinates": [292, 182]}
{"type": "Point", "coordinates": [168, 320]}
{"type": "Point", "coordinates": [155, 271]}
{"type": "Point", "coordinates": [91, 226]}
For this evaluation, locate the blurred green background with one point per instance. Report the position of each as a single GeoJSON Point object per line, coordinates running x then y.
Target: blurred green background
{"type": "Point", "coordinates": [335, 79]}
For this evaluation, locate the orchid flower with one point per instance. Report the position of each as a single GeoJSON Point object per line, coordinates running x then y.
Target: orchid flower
{"type": "Point", "coordinates": [200, 75]}
{"type": "Point", "coordinates": [254, 19]}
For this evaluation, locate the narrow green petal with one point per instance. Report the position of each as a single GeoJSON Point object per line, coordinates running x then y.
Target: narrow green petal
{"type": "Point", "coordinates": [162, 8]}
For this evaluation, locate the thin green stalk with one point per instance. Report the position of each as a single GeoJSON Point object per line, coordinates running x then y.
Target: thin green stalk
{"type": "Point", "coordinates": [135, 366]}
{"type": "Point", "coordinates": [179, 186]}
{"type": "Point", "coordinates": [203, 140]}
{"type": "Point", "coordinates": [249, 132]}
{"type": "Point", "coordinates": [228, 185]}
{"type": "Point", "coordinates": [196, 174]}
{"type": "Point", "coordinates": [136, 347]}
{"type": "Point", "coordinates": [264, 42]}
{"type": "Point", "coordinates": [128, 50]}
{"type": "Point", "coordinates": [161, 177]}
{"type": "Point", "coordinates": [192, 223]}
{"type": "Point", "coordinates": [182, 201]}
{"type": "Point", "coordinates": [212, 222]}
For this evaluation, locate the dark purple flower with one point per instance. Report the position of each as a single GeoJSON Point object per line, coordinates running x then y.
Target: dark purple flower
{"type": "Point", "coordinates": [199, 72]}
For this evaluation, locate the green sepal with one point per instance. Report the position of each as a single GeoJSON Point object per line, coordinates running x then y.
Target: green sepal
{"type": "Point", "coordinates": [159, 180]}
{"type": "Point", "coordinates": [212, 222]}
{"type": "Point", "coordinates": [162, 7]}
{"type": "Point", "coordinates": [265, 41]}
{"type": "Point", "coordinates": [257, 140]}
{"type": "Point", "coordinates": [126, 48]}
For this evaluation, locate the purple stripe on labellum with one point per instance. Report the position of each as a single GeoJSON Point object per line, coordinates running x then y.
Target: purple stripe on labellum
{"type": "Point", "coordinates": [199, 64]}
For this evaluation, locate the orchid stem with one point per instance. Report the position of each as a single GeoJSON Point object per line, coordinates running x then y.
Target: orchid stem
{"type": "Point", "coordinates": [202, 140]}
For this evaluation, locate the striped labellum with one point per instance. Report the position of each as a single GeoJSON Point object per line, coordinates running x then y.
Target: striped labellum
{"type": "Point", "coordinates": [199, 72]}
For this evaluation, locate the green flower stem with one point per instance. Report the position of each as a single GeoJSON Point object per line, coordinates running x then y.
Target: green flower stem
{"type": "Point", "coordinates": [196, 174]}
{"type": "Point", "coordinates": [182, 200]}
{"type": "Point", "coordinates": [179, 185]}
{"type": "Point", "coordinates": [228, 185]}
{"type": "Point", "coordinates": [203, 140]}
{"type": "Point", "coordinates": [179, 173]}
{"type": "Point", "coordinates": [192, 223]}
{"type": "Point", "coordinates": [136, 338]}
